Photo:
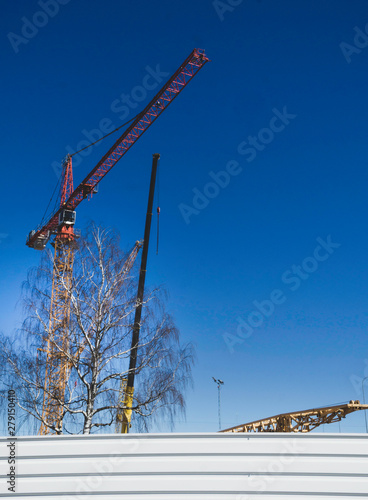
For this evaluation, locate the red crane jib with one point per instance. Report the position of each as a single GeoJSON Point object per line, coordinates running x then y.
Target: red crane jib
{"type": "Point", "coordinates": [187, 70]}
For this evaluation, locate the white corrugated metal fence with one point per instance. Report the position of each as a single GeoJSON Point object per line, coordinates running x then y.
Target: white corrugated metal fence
{"type": "Point", "coordinates": [187, 466]}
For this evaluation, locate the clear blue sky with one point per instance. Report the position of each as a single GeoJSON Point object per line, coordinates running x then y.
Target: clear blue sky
{"type": "Point", "coordinates": [303, 179]}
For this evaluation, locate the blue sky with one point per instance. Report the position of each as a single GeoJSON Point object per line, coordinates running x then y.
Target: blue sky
{"type": "Point", "coordinates": [283, 105]}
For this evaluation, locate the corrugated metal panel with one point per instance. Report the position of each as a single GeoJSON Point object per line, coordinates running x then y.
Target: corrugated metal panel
{"type": "Point", "coordinates": [189, 466]}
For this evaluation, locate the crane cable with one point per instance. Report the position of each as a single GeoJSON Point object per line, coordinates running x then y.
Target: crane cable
{"type": "Point", "coordinates": [76, 152]}
{"type": "Point", "coordinates": [53, 193]}
{"type": "Point", "coordinates": [92, 144]}
{"type": "Point", "coordinates": [158, 178]}
{"type": "Point", "coordinates": [158, 206]}
{"type": "Point", "coordinates": [107, 135]}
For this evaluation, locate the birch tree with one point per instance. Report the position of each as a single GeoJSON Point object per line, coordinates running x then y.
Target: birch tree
{"type": "Point", "coordinates": [102, 305]}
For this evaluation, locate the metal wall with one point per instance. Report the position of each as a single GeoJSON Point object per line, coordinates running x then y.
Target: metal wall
{"type": "Point", "coordinates": [188, 466]}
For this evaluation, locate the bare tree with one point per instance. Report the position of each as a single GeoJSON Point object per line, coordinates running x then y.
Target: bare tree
{"type": "Point", "coordinates": [102, 298]}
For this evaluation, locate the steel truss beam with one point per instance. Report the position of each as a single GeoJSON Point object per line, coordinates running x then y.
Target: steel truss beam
{"type": "Point", "coordinates": [301, 421]}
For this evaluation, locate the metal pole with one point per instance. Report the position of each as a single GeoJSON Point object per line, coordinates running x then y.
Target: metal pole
{"type": "Point", "coordinates": [365, 411]}
{"type": "Point", "coordinates": [219, 383]}
{"type": "Point", "coordinates": [128, 401]}
{"type": "Point", "coordinates": [219, 406]}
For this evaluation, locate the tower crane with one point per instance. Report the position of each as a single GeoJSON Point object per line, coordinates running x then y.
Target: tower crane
{"type": "Point", "coordinates": [60, 227]}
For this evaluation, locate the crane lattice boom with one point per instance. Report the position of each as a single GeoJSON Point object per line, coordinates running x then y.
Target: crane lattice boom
{"type": "Point", "coordinates": [300, 421]}
{"type": "Point", "coordinates": [187, 70]}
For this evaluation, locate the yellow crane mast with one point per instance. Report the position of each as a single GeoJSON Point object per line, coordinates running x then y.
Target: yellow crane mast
{"type": "Point", "coordinates": [57, 342]}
